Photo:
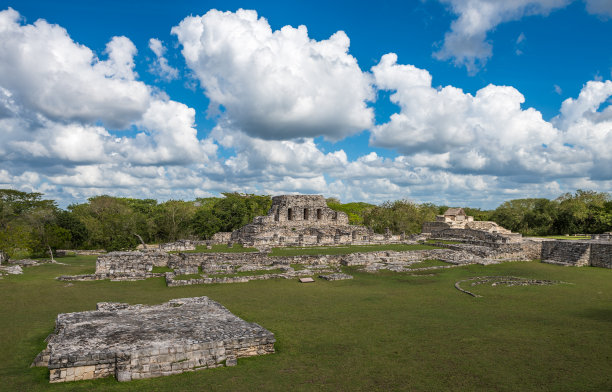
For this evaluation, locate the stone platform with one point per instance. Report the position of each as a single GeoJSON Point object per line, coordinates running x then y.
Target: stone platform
{"type": "Point", "coordinates": [139, 341]}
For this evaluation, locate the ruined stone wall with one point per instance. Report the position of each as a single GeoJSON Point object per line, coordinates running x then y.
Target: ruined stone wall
{"type": "Point", "coordinates": [303, 210]}
{"type": "Point", "coordinates": [222, 237]}
{"type": "Point", "coordinates": [138, 265]}
{"type": "Point", "coordinates": [601, 254]}
{"type": "Point", "coordinates": [180, 245]}
{"type": "Point", "coordinates": [131, 264]}
{"type": "Point", "coordinates": [576, 253]}
{"type": "Point", "coordinates": [526, 250]}
{"type": "Point", "coordinates": [433, 227]}
{"type": "Point", "coordinates": [480, 235]}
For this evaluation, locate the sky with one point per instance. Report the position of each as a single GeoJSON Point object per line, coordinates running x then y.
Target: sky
{"type": "Point", "coordinates": [452, 102]}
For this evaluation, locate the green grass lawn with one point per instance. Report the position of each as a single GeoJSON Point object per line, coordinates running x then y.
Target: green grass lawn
{"type": "Point", "coordinates": [343, 250]}
{"type": "Point", "coordinates": [377, 332]}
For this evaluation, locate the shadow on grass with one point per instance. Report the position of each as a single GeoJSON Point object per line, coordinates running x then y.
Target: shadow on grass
{"type": "Point", "coordinates": [597, 314]}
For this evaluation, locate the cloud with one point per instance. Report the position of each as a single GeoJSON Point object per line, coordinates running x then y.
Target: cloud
{"type": "Point", "coordinates": [160, 66]}
{"type": "Point", "coordinates": [557, 89]}
{"type": "Point", "coordinates": [278, 84]}
{"type": "Point", "coordinates": [601, 8]}
{"type": "Point", "coordinates": [48, 73]}
{"type": "Point", "coordinates": [62, 133]}
{"type": "Point", "coordinates": [58, 107]}
{"type": "Point", "coordinates": [466, 43]}
{"type": "Point", "coordinates": [489, 133]}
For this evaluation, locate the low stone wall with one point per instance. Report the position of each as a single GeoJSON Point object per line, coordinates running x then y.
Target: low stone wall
{"type": "Point", "coordinates": [132, 264]}
{"type": "Point", "coordinates": [178, 246]}
{"type": "Point", "coordinates": [525, 250]}
{"type": "Point", "coordinates": [578, 253]}
{"type": "Point", "coordinates": [139, 264]}
{"type": "Point", "coordinates": [479, 235]}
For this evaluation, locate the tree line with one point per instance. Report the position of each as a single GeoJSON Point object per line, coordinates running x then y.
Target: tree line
{"type": "Point", "coordinates": [31, 225]}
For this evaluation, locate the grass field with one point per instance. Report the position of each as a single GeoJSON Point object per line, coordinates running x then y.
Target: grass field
{"type": "Point", "coordinates": [385, 331]}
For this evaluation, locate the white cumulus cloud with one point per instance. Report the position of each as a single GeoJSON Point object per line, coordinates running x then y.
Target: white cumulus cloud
{"type": "Point", "coordinates": [47, 72]}
{"type": "Point", "coordinates": [489, 132]}
{"type": "Point", "coordinates": [276, 84]}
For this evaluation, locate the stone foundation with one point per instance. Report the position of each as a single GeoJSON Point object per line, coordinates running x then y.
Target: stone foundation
{"type": "Point", "coordinates": [137, 341]}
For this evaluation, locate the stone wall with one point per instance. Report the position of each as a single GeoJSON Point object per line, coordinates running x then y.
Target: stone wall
{"type": "Point", "coordinates": [138, 265]}
{"type": "Point", "coordinates": [131, 265]}
{"type": "Point", "coordinates": [601, 255]}
{"type": "Point", "coordinates": [136, 341]}
{"type": "Point", "coordinates": [180, 246]}
{"type": "Point", "coordinates": [578, 253]}
{"type": "Point", "coordinates": [470, 234]}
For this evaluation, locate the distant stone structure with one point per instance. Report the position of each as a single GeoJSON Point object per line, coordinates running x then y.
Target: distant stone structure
{"type": "Point", "coordinates": [304, 220]}
{"type": "Point", "coordinates": [136, 341]}
{"type": "Point", "coordinates": [607, 236]}
{"type": "Point", "coordinates": [456, 224]}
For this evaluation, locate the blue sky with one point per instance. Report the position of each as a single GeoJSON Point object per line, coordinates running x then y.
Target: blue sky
{"type": "Point", "coordinates": [457, 102]}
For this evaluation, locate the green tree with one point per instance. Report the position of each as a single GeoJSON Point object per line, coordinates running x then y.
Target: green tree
{"type": "Point", "coordinates": [173, 220]}
{"type": "Point", "coordinates": [110, 222]}
{"type": "Point", "coordinates": [400, 216]}
{"type": "Point", "coordinates": [355, 211]}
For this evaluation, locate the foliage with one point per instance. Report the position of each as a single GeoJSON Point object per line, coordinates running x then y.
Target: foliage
{"type": "Point", "coordinates": [28, 224]}
{"type": "Point", "coordinates": [31, 225]}
{"type": "Point", "coordinates": [229, 213]}
{"type": "Point", "coordinates": [355, 211]}
{"type": "Point", "coordinates": [401, 216]}
{"type": "Point", "coordinates": [582, 212]}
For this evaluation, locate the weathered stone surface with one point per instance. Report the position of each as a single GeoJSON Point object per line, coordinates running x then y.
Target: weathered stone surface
{"type": "Point", "coordinates": [180, 245]}
{"type": "Point", "coordinates": [138, 341]}
{"type": "Point", "coordinates": [336, 276]}
{"type": "Point", "coordinates": [595, 253]}
{"type": "Point", "coordinates": [11, 269]}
